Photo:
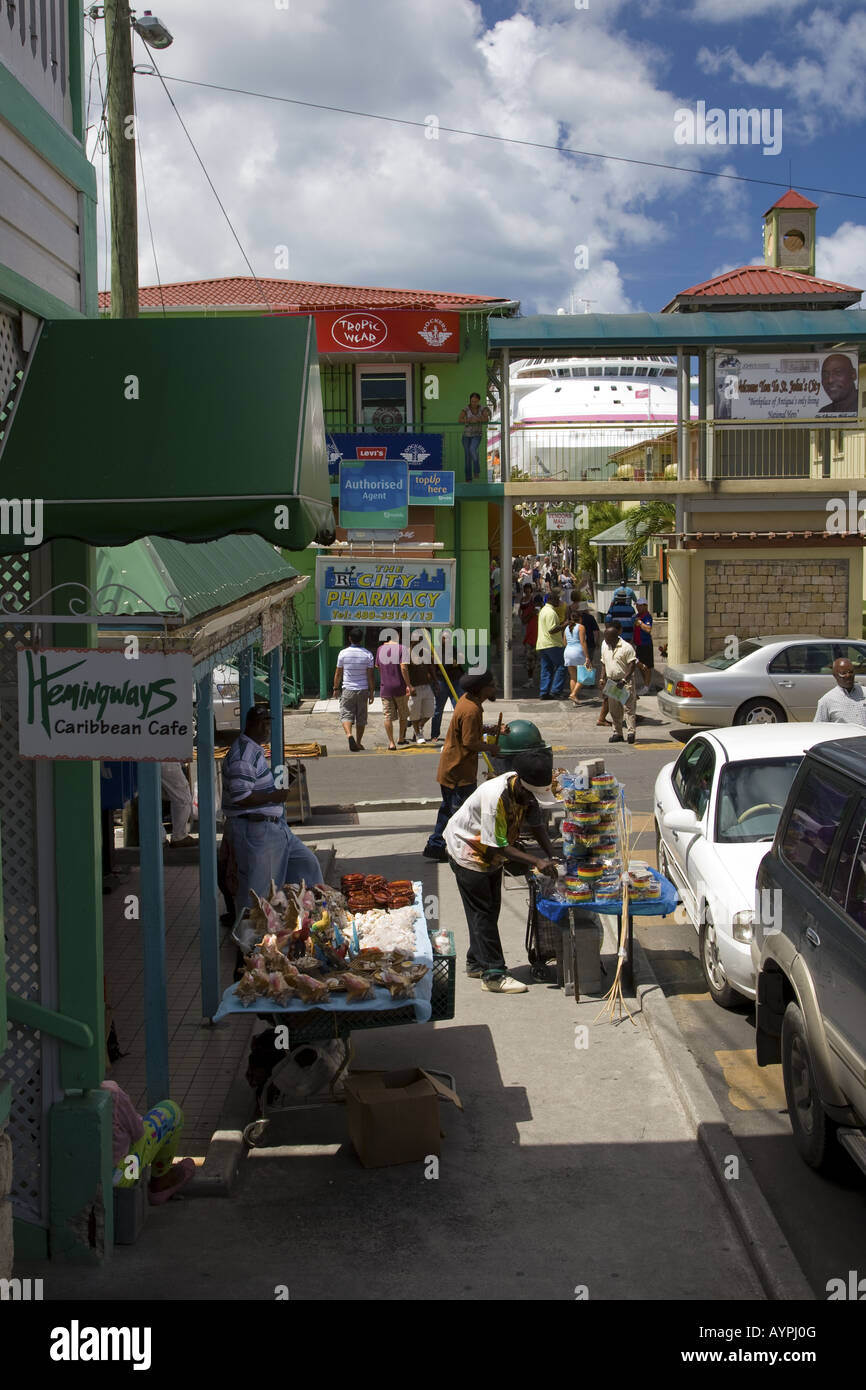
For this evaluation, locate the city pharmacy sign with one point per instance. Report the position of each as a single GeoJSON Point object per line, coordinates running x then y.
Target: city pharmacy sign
{"type": "Point", "coordinates": [85, 704]}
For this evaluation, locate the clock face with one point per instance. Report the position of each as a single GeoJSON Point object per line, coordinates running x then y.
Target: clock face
{"type": "Point", "coordinates": [794, 240]}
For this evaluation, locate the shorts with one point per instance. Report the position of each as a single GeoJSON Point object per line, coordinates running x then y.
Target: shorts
{"type": "Point", "coordinates": [645, 655]}
{"type": "Point", "coordinates": [422, 705]}
{"type": "Point", "coordinates": [395, 706]}
{"type": "Point", "coordinates": [353, 707]}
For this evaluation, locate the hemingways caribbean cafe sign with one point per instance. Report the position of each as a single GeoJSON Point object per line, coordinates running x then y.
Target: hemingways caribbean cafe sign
{"type": "Point", "coordinates": [87, 704]}
{"type": "Point", "coordinates": [384, 592]}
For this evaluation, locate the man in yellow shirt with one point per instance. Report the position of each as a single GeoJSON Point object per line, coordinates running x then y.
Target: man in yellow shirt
{"type": "Point", "coordinates": [549, 645]}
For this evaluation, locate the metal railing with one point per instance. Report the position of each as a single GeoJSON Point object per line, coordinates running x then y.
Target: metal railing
{"type": "Point", "coordinates": [451, 434]}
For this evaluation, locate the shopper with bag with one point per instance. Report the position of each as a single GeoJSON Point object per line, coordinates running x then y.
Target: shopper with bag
{"type": "Point", "coordinates": [576, 654]}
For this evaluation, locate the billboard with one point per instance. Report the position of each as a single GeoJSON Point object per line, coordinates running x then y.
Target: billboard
{"type": "Point", "coordinates": [374, 494]}
{"type": "Point", "coordinates": [384, 592]}
{"type": "Point", "coordinates": [786, 386]}
{"type": "Point", "coordinates": [388, 330]}
{"type": "Point", "coordinates": [85, 704]}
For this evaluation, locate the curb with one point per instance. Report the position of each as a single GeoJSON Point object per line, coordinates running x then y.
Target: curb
{"type": "Point", "coordinates": [774, 1261]}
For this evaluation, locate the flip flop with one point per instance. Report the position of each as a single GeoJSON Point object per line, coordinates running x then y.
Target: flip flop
{"type": "Point", "coordinates": [158, 1199]}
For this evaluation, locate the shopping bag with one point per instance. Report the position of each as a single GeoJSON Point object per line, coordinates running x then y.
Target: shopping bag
{"type": "Point", "coordinates": [585, 675]}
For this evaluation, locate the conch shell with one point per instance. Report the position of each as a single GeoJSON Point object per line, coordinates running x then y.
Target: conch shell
{"type": "Point", "coordinates": [356, 986]}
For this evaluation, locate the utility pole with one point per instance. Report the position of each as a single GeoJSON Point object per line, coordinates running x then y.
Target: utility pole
{"type": "Point", "coordinates": [121, 161]}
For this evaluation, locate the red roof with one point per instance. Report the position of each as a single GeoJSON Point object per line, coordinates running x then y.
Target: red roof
{"type": "Point", "coordinates": [767, 282]}
{"type": "Point", "coordinates": [287, 296]}
{"type": "Point", "coordinates": [791, 199]}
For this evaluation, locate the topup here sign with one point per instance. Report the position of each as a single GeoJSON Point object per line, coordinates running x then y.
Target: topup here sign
{"type": "Point", "coordinates": [89, 705]}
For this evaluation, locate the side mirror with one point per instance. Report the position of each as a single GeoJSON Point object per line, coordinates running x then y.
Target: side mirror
{"type": "Point", "coordinates": [684, 821]}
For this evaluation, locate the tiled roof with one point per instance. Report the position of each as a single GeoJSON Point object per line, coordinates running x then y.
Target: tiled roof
{"type": "Point", "coordinates": [791, 199]}
{"type": "Point", "coordinates": [289, 296]}
{"type": "Point", "coordinates": [767, 282]}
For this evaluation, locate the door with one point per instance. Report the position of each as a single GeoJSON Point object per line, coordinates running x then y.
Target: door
{"type": "Point", "coordinates": [692, 781]}
{"type": "Point", "coordinates": [799, 675]}
{"type": "Point", "coordinates": [839, 961]}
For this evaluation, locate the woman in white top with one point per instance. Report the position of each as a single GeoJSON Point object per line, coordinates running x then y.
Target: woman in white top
{"type": "Point", "coordinates": [576, 651]}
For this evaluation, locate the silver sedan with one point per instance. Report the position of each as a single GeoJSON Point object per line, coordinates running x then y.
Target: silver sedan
{"type": "Point", "coordinates": [764, 680]}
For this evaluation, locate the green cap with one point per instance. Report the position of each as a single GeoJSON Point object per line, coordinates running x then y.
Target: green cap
{"type": "Point", "coordinates": [522, 737]}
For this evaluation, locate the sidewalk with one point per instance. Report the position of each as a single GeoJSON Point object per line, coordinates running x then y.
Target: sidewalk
{"type": "Point", "coordinates": [570, 1166]}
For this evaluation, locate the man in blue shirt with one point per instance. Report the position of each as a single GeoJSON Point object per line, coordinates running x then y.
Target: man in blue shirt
{"type": "Point", "coordinates": [263, 844]}
{"type": "Point", "coordinates": [622, 610]}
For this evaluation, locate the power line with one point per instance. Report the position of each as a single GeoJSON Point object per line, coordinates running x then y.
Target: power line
{"type": "Point", "coordinates": [500, 139]}
{"type": "Point", "coordinates": [146, 203]}
{"type": "Point", "coordinates": [210, 181]}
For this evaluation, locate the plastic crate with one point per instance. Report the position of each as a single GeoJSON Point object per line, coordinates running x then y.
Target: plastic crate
{"type": "Point", "coordinates": [444, 981]}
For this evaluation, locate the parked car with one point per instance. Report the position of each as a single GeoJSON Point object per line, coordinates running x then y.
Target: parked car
{"type": "Point", "coordinates": [716, 810]}
{"type": "Point", "coordinates": [226, 699]}
{"type": "Point", "coordinates": [769, 681]}
{"type": "Point", "coordinates": [811, 967]}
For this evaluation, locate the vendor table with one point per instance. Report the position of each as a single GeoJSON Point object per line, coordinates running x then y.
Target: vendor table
{"type": "Point", "coordinates": [562, 914]}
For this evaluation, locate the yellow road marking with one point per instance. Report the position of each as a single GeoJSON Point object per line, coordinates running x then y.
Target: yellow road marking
{"type": "Point", "coordinates": [751, 1087]}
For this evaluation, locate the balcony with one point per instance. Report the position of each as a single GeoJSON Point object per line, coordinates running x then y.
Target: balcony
{"type": "Point", "coordinates": [488, 485]}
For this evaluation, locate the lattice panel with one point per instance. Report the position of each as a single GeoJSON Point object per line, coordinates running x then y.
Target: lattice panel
{"type": "Point", "coordinates": [21, 1063]}
{"type": "Point", "coordinates": [14, 593]}
{"type": "Point", "coordinates": [12, 359]}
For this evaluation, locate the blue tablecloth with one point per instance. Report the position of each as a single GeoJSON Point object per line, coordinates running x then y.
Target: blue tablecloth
{"type": "Point", "coordinates": [638, 907]}
{"type": "Point", "coordinates": [339, 1003]}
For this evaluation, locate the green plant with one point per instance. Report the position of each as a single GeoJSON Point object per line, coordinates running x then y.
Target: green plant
{"type": "Point", "coordinates": [641, 523]}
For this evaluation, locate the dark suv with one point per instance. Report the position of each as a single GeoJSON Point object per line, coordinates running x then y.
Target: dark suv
{"type": "Point", "coordinates": [811, 954]}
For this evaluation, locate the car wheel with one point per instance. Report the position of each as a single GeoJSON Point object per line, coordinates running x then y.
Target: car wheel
{"type": "Point", "coordinates": [814, 1131]}
{"type": "Point", "coordinates": [760, 712]}
{"type": "Point", "coordinates": [714, 972]}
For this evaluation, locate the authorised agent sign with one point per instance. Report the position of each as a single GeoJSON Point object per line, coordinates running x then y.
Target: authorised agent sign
{"type": "Point", "coordinates": [88, 705]}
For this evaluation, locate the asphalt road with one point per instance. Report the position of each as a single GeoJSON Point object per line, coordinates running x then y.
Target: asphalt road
{"type": "Point", "coordinates": [823, 1219]}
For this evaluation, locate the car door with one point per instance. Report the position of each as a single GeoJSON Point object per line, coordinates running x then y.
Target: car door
{"type": "Point", "coordinates": [838, 959]}
{"type": "Point", "coordinates": [799, 675]}
{"type": "Point", "coordinates": [692, 782]}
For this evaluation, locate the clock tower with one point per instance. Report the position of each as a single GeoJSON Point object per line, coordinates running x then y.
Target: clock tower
{"type": "Point", "coordinates": [789, 233]}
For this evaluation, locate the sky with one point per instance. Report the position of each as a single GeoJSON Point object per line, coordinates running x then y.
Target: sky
{"type": "Point", "coordinates": [318, 195]}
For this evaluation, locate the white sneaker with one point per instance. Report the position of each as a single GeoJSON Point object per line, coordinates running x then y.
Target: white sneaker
{"type": "Point", "coordinates": [420, 740]}
{"type": "Point", "coordinates": [504, 984]}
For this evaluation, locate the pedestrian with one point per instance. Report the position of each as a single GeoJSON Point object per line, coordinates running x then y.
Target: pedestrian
{"type": "Point", "coordinates": [175, 786]}
{"type": "Point", "coordinates": [355, 687]}
{"type": "Point", "coordinates": [473, 419]}
{"type": "Point", "coordinates": [418, 675]}
{"type": "Point", "coordinates": [454, 671]}
{"type": "Point", "coordinates": [264, 847]}
{"type": "Point", "coordinates": [618, 662]}
{"type": "Point", "coordinates": [643, 640]}
{"type": "Point", "coordinates": [390, 658]}
{"type": "Point", "coordinates": [575, 653]}
{"type": "Point", "coordinates": [846, 702]}
{"type": "Point", "coordinates": [457, 773]}
{"type": "Point", "coordinates": [549, 646]}
{"type": "Point", "coordinates": [528, 615]}
{"type": "Point", "coordinates": [524, 576]}
{"type": "Point", "coordinates": [622, 611]}
{"type": "Point", "coordinates": [481, 837]}
{"type": "Point", "coordinates": [151, 1140]}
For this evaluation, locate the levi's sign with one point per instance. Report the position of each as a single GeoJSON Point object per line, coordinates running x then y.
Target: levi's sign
{"type": "Point", "coordinates": [86, 704]}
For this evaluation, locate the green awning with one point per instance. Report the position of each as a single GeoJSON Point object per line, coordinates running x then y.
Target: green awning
{"type": "Point", "coordinates": [186, 428]}
{"type": "Point", "coordinates": [207, 577]}
{"type": "Point", "coordinates": [755, 329]}
{"type": "Point", "coordinates": [618, 534]}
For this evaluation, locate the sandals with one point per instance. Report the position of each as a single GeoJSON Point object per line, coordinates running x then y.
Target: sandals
{"type": "Point", "coordinates": [164, 1194]}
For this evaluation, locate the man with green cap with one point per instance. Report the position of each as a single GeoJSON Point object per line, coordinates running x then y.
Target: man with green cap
{"type": "Point", "coordinates": [457, 773]}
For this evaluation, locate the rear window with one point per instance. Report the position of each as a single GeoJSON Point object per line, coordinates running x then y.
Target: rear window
{"type": "Point", "coordinates": [813, 824]}
{"type": "Point", "coordinates": [720, 661]}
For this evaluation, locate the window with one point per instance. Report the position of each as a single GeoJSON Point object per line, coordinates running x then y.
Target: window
{"type": "Point", "coordinates": [813, 823]}
{"type": "Point", "coordinates": [745, 787]}
{"type": "Point", "coordinates": [806, 659]}
{"type": "Point", "coordinates": [851, 854]}
{"type": "Point", "coordinates": [720, 661]}
{"type": "Point", "coordinates": [855, 654]}
{"type": "Point", "coordinates": [384, 398]}
{"type": "Point", "coordinates": [693, 776]}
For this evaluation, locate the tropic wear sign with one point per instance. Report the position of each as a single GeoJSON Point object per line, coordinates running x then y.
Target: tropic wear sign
{"type": "Point", "coordinates": [383, 592]}
{"type": "Point", "coordinates": [90, 705]}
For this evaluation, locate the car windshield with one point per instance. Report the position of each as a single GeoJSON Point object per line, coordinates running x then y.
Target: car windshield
{"type": "Point", "coordinates": [751, 798]}
{"type": "Point", "coordinates": [720, 661]}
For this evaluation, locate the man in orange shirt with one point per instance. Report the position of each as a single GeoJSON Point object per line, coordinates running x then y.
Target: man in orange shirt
{"type": "Point", "coordinates": [457, 773]}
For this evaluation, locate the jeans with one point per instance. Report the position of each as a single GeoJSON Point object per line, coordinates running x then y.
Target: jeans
{"type": "Point", "coordinates": [553, 672]}
{"type": "Point", "coordinates": [452, 799]}
{"type": "Point", "coordinates": [481, 895]}
{"type": "Point", "coordinates": [267, 850]}
{"type": "Point", "coordinates": [471, 446]}
{"type": "Point", "coordinates": [443, 695]}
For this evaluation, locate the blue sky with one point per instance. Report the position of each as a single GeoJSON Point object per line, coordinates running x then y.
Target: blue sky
{"type": "Point", "coordinates": [380, 203]}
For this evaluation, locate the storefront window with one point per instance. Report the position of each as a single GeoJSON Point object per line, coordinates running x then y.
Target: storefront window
{"type": "Point", "coordinates": [384, 397]}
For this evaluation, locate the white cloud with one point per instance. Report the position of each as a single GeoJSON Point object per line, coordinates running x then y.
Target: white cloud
{"type": "Point", "coordinates": [842, 256]}
{"type": "Point", "coordinates": [730, 11]}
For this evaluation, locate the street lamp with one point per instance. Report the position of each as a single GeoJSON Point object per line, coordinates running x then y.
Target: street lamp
{"type": "Point", "coordinates": [152, 30]}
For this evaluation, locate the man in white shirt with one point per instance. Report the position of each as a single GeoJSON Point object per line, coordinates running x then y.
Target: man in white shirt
{"type": "Point", "coordinates": [618, 660]}
{"type": "Point", "coordinates": [354, 685]}
{"type": "Point", "coordinates": [846, 703]}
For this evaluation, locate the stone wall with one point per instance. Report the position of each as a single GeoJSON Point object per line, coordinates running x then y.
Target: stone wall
{"type": "Point", "coordinates": [755, 597]}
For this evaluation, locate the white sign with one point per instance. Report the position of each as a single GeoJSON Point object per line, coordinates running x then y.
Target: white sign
{"type": "Point", "coordinates": [87, 705]}
{"type": "Point", "coordinates": [786, 386]}
{"type": "Point", "coordinates": [272, 628]}
{"type": "Point", "coordinates": [561, 521]}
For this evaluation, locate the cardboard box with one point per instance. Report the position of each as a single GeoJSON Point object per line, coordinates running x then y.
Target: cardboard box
{"type": "Point", "coordinates": [394, 1115]}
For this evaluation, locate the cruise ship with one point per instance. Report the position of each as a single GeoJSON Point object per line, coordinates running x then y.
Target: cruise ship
{"type": "Point", "coordinates": [571, 417]}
